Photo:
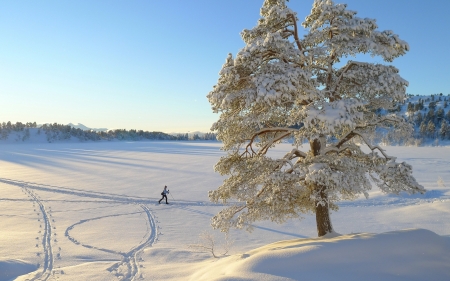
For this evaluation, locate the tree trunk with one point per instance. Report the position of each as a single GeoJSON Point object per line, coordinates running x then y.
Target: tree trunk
{"type": "Point", "coordinates": [323, 220]}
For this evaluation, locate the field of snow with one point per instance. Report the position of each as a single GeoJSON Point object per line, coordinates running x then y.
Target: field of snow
{"type": "Point", "coordinates": [89, 211]}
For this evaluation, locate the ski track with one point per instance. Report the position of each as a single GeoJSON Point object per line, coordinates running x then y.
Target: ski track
{"type": "Point", "coordinates": [131, 259]}
{"type": "Point", "coordinates": [46, 241]}
{"type": "Point", "coordinates": [75, 241]}
{"type": "Point", "coordinates": [389, 201]}
{"type": "Point", "coordinates": [128, 268]}
{"type": "Point", "coordinates": [101, 195]}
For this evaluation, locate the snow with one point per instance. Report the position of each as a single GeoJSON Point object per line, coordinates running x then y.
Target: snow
{"type": "Point", "coordinates": [88, 211]}
{"type": "Point", "coordinates": [12, 268]}
{"type": "Point", "coordinates": [332, 115]}
{"type": "Point", "coordinates": [386, 256]}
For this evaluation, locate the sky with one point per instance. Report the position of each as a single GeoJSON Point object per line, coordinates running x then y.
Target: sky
{"type": "Point", "coordinates": [150, 64]}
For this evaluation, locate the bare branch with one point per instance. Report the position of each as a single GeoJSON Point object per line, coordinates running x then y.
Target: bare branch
{"type": "Point", "coordinates": [353, 133]}
{"type": "Point", "coordinates": [297, 40]}
{"type": "Point", "coordinates": [361, 135]}
{"type": "Point", "coordinates": [264, 131]}
{"type": "Point", "coordinates": [207, 243]}
{"type": "Point", "coordinates": [263, 150]}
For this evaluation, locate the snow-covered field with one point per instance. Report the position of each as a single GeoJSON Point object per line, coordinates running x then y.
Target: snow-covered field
{"type": "Point", "coordinates": [89, 211]}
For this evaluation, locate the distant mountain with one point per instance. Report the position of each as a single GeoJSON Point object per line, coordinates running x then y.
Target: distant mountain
{"type": "Point", "coordinates": [84, 128]}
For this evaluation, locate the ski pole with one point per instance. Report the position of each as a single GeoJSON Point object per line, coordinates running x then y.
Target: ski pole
{"type": "Point", "coordinates": [172, 196]}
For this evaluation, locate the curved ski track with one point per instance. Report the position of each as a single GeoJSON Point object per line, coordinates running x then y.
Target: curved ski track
{"type": "Point", "coordinates": [130, 259]}
{"type": "Point", "coordinates": [128, 268]}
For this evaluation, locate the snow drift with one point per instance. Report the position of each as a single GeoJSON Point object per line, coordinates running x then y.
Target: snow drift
{"type": "Point", "coordinates": [11, 268]}
{"type": "Point", "coordinates": [415, 254]}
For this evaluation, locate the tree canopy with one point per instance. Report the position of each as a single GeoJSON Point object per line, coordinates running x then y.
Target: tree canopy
{"type": "Point", "coordinates": [306, 91]}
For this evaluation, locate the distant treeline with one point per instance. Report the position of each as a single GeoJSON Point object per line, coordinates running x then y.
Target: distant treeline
{"type": "Point", "coordinates": [7, 127]}
{"type": "Point", "coordinates": [58, 132]}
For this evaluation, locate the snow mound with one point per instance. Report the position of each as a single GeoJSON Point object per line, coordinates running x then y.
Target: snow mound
{"type": "Point", "coordinates": [414, 254]}
{"type": "Point", "coordinates": [10, 269]}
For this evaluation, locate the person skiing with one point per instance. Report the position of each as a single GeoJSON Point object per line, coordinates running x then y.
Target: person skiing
{"type": "Point", "coordinates": [164, 194]}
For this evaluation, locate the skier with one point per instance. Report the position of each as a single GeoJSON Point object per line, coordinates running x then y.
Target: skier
{"type": "Point", "coordinates": [164, 194]}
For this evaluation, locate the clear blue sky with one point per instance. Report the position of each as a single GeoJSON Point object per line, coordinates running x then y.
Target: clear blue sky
{"type": "Point", "coordinates": [150, 64]}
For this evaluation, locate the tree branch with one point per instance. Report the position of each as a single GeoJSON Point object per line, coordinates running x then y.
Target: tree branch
{"type": "Point", "coordinates": [297, 40]}
{"type": "Point", "coordinates": [319, 67]}
{"type": "Point", "coordinates": [267, 146]}
{"type": "Point", "coordinates": [352, 134]}
{"type": "Point", "coordinates": [335, 149]}
{"type": "Point", "coordinates": [296, 152]}
{"type": "Point", "coordinates": [361, 135]}
{"type": "Point", "coordinates": [264, 131]}
{"type": "Point", "coordinates": [347, 68]}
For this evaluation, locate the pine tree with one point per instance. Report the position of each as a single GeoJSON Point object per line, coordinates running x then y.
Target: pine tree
{"type": "Point", "coordinates": [283, 87]}
{"type": "Point", "coordinates": [430, 116]}
{"type": "Point", "coordinates": [423, 129]}
{"type": "Point", "coordinates": [417, 107]}
{"type": "Point", "coordinates": [431, 129]}
{"type": "Point", "coordinates": [410, 107]}
{"type": "Point", "coordinates": [432, 105]}
{"type": "Point", "coordinates": [440, 115]}
{"type": "Point", "coordinates": [419, 118]}
{"type": "Point", "coordinates": [444, 132]}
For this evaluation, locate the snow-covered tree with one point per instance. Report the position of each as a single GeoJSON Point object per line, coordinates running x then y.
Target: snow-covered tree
{"type": "Point", "coordinates": [440, 114]}
{"type": "Point", "coordinates": [430, 115]}
{"type": "Point", "coordinates": [423, 129]}
{"type": "Point", "coordinates": [283, 87]}
{"type": "Point", "coordinates": [419, 118]}
{"type": "Point", "coordinates": [432, 105]}
{"type": "Point", "coordinates": [410, 108]}
{"type": "Point", "coordinates": [444, 132]}
{"type": "Point", "coordinates": [431, 129]}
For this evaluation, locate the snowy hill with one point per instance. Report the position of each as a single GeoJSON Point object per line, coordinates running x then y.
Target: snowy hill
{"type": "Point", "coordinates": [430, 116]}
